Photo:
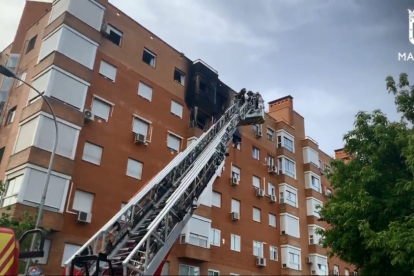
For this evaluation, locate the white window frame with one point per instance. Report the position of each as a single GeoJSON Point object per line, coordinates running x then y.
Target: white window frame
{"type": "Point", "coordinates": [270, 132]}
{"type": "Point", "coordinates": [21, 76]}
{"type": "Point", "coordinates": [154, 56]}
{"type": "Point", "coordinates": [256, 153]}
{"type": "Point", "coordinates": [235, 242]}
{"type": "Point", "coordinates": [257, 214]}
{"type": "Point", "coordinates": [270, 220]}
{"type": "Point", "coordinates": [270, 160]}
{"type": "Point", "coordinates": [258, 246]}
{"type": "Point", "coordinates": [144, 96]}
{"type": "Point", "coordinates": [313, 203]}
{"type": "Point", "coordinates": [235, 172]}
{"type": "Point", "coordinates": [257, 186]}
{"type": "Point", "coordinates": [281, 164]}
{"type": "Point", "coordinates": [148, 135]}
{"type": "Point", "coordinates": [15, 192]}
{"type": "Point", "coordinates": [273, 253]}
{"type": "Point", "coordinates": [175, 136]}
{"type": "Point", "coordinates": [108, 103]}
{"type": "Point", "coordinates": [214, 233]}
{"type": "Point", "coordinates": [271, 189]}
{"type": "Point", "coordinates": [239, 204]}
{"type": "Point", "coordinates": [217, 195]}
{"type": "Point", "coordinates": [74, 198]}
{"type": "Point", "coordinates": [289, 194]}
{"type": "Point", "coordinates": [284, 224]}
{"type": "Point", "coordinates": [336, 269]}
{"type": "Point", "coordinates": [138, 163]}
{"type": "Point", "coordinates": [212, 272]}
{"type": "Point", "coordinates": [195, 268]}
{"type": "Point", "coordinates": [63, 255]}
{"type": "Point", "coordinates": [283, 134]}
{"type": "Point", "coordinates": [180, 115]}
{"type": "Point", "coordinates": [11, 114]}
{"type": "Point", "coordinates": [109, 65]}
{"type": "Point", "coordinates": [318, 187]}
{"type": "Point", "coordinates": [118, 32]}
{"type": "Point", "coordinates": [90, 161]}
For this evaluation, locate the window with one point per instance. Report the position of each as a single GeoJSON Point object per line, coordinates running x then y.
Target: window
{"type": "Point", "coordinates": [257, 128]}
{"type": "Point", "coordinates": [320, 164]}
{"type": "Point", "coordinates": [272, 220]}
{"type": "Point", "coordinates": [1, 153]}
{"type": "Point", "coordinates": [145, 91]}
{"type": "Point", "coordinates": [310, 156]}
{"type": "Point", "coordinates": [83, 201]}
{"type": "Point", "coordinates": [179, 77]}
{"type": "Point", "coordinates": [257, 249]}
{"type": "Point", "coordinates": [216, 199]}
{"type": "Point", "coordinates": [290, 224]}
{"type": "Point", "coordinates": [107, 70]}
{"type": "Point", "coordinates": [256, 214]}
{"type": "Point", "coordinates": [273, 253]}
{"type": "Point", "coordinates": [101, 108]}
{"type": "Point", "coordinates": [235, 242]}
{"type": "Point", "coordinates": [328, 191]}
{"type": "Point", "coordinates": [270, 134]}
{"type": "Point", "coordinates": [294, 260]}
{"type": "Point", "coordinates": [176, 109]}
{"type": "Point", "coordinates": [285, 140]}
{"type": "Point", "coordinates": [256, 153]}
{"type": "Point", "coordinates": [213, 272]}
{"type": "Point", "coordinates": [235, 205]}
{"type": "Point", "coordinates": [12, 190]}
{"type": "Point", "coordinates": [271, 190]}
{"type": "Point", "coordinates": [256, 182]}
{"type": "Point", "coordinates": [315, 183]}
{"type": "Point", "coordinates": [346, 272]}
{"type": "Point", "coordinates": [173, 143]}
{"type": "Point", "coordinates": [287, 166]}
{"type": "Point", "coordinates": [188, 270]}
{"type": "Point", "coordinates": [235, 172]}
{"type": "Point", "coordinates": [10, 116]}
{"type": "Point", "coordinates": [31, 44]}
{"type": "Point", "coordinates": [336, 270]}
{"type": "Point", "coordinates": [114, 35]}
{"type": "Point", "coordinates": [288, 194]}
{"type": "Point", "coordinates": [134, 168]}
{"type": "Point", "coordinates": [327, 168]}
{"type": "Point", "coordinates": [291, 197]}
{"type": "Point", "coordinates": [313, 207]}
{"type": "Point", "coordinates": [46, 249]}
{"type": "Point", "coordinates": [199, 231]}
{"type": "Point", "coordinates": [69, 251]}
{"type": "Point", "coordinates": [92, 153]}
{"type": "Point", "coordinates": [22, 77]}
{"type": "Point", "coordinates": [149, 57]}
{"type": "Point", "coordinates": [270, 160]}
{"type": "Point", "coordinates": [322, 268]}
{"type": "Point", "coordinates": [215, 237]}
{"type": "Point", "coordinates": [141, 127]}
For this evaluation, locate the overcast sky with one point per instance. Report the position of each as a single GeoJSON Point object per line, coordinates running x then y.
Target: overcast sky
{"type": "Point", "coordinates": [331, 56]}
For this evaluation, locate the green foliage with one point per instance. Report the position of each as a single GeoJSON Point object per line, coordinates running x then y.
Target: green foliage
{"type": "Point", "coordinates": [372, 210]}
{"type": "Point", "coordinates": [19, 226]}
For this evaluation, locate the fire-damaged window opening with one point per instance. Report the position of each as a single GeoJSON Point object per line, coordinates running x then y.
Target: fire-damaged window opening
{"type": "Point", "coordinates": [200, 119]}
{"type": "Point", "coordinates": [115, 35]}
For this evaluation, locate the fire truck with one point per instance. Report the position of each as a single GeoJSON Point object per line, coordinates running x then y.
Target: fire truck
{"type": "Point", "coordinates": [139, 238]}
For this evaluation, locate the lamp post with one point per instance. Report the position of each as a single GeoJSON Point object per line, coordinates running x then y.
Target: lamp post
{"type": "Point", "coordinates": [7, 73]}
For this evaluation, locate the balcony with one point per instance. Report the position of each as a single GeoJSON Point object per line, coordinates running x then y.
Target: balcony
{"type": "Point", "coordinates": [286, 208]}
{"type": "Point", "coordinates": [309, 142]}
{"type": "Point", "coordinates": [192, 252]}
{"type": "Point", "coordinates": [317, 249]}
{"type": "Point", "coordinates": [314, 194]}
{"type": "Point", "coordinates": [289, 240]}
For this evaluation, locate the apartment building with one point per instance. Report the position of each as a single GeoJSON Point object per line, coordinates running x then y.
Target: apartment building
{"type": "Point", "coordinates": [109, 79]}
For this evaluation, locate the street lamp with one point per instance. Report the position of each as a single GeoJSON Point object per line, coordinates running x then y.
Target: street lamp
{"type": "Point", "coordinates": [7, 73]}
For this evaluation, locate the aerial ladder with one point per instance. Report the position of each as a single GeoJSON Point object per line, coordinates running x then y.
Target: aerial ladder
{"type": "Point", "coordinates": [138, 239]}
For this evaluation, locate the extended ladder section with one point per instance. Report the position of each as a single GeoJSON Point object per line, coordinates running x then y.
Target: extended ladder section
{"type": "Point", "coordinates": [137, 239]}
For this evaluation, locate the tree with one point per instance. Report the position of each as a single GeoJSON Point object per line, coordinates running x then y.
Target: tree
{"type": "Point", "coordinates": [371, 213]}
{"type": "Point", "coordinates": [19, 225]}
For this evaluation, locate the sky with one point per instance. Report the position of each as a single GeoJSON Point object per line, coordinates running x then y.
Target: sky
{"type": "Point", "coordinates": [331, 56]}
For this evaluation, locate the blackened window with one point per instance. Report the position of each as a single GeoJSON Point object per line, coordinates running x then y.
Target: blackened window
{"type": "Point", "coordinates": [31, 44]}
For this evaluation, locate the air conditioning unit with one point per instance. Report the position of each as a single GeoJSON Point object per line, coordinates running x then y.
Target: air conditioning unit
{"type": "Point", "coordinates": [308, 260]}
{"type": "Point", "coordinates": [104, 29]}
{"type": "Point", "coordinates": [272, 169]}
{"type": "Point", "coordinates": [140, 139]}
{"type": "Point", "coordinates": [84, 217]}
{"type": "Point", "coordinates": [258, 133]}
{"type": "Point", "coordinates": [260, 262]}
{"type": "Point", "coordinates": [235, 216]}
{"type": "Point", "coordinates": [234, 181]}
{"type": "Point", "coordinates": [88, 115]}
{"type": "Point", "coordinates": [313, 272]}
{"type": "Point", "coordinates": [283, 232]}
{"type": "Point", "coordinates": [284, 265]}
{"type": "Point", "coordinates": [272, 198]}
{"type": "Point", "coordinates": [282, 200]}
{"type": "Point", "coordinates": [260, 193]}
